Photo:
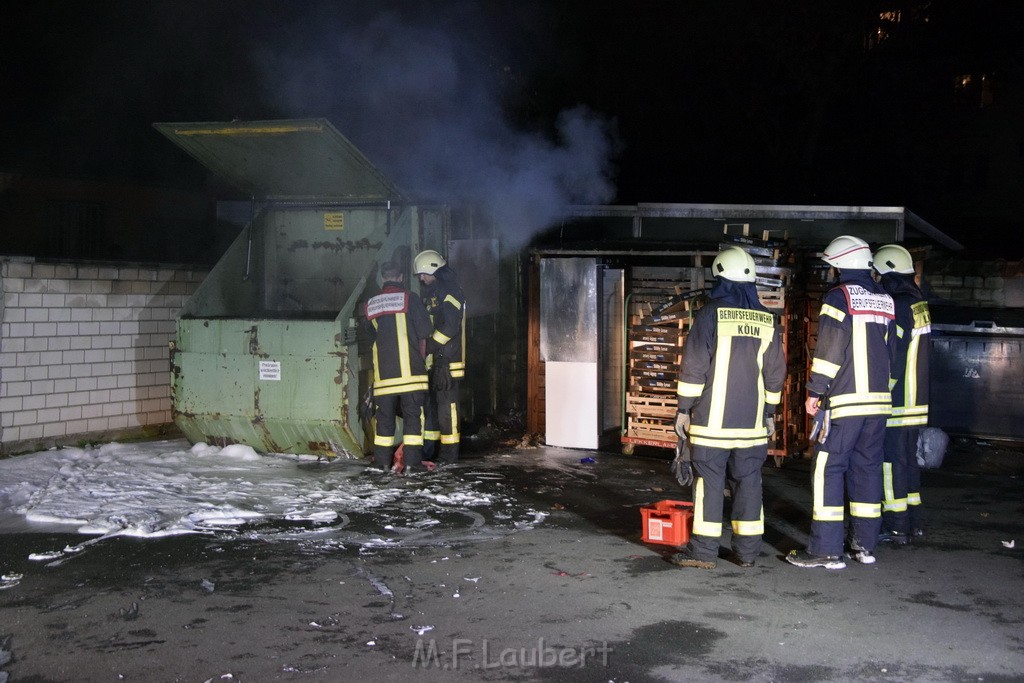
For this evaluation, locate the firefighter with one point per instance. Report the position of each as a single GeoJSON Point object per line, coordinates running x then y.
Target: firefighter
{"type": "Point", "coordinates": [848, 394]}
{"type": "Point", "coordinates": [446, 305]}
{"type": "Point", "coordinates": [400, 326]}
{"type": "Point", "coordinates": [901, 475]}
{"type": "Point", "coordinates": [730, 384]}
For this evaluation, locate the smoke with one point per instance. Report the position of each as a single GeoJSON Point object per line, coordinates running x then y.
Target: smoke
{"type": "Point", "coordinates": [424, 98]}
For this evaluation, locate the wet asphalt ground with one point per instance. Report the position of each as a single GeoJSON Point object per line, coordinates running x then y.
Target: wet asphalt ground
{"type": "Point", "coordinates": [574, 595]}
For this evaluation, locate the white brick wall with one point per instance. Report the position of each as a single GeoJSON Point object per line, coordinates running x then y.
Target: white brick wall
{"type": "Point", "coordinates": [84, 349]}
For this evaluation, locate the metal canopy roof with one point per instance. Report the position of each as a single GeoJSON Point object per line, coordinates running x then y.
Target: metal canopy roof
{"type": "Point", "coordinates": [300, 159]}
{"type": "Point", "coordinates": [731, 211]}
{"type": "Point", "coordinates": [807, 224]}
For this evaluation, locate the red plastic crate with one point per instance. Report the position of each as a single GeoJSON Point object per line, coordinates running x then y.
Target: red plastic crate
{"type": "Point", "coordinates": [667, 522]}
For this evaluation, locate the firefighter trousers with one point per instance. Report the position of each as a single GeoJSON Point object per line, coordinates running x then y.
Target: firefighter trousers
{"type": "Point", "coordinates": [850, 462]}
{"type": "Point", "coordinates": [442, 425]}
{"type": "Point", "coordinates": [742, 468]}
{"type": "Point", "coordinates": [901, 480]}
{"type": "Point", "coordinates": [411, 405]}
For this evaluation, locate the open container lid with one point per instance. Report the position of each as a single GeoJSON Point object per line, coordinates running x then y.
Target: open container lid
{"type": "Point", "coordinates": [296, 160]}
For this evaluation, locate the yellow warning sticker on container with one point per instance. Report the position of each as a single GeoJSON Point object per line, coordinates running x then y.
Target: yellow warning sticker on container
{"type": "Point", "coordinates": [335, 220]}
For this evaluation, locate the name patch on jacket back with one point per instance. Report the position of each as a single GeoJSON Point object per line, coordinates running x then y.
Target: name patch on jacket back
{"type": "Point", "coordinates": [743, 322]}
{"type": "Point", "coordinates": [864, 302]}
{"type": "Point", "coordinates": [387, 303]}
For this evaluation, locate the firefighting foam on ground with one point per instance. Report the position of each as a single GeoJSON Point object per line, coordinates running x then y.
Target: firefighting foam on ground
{"type": "Point", "coordinates": [169, 487]}
{"type": "Point", "coordinates": [503, 566]}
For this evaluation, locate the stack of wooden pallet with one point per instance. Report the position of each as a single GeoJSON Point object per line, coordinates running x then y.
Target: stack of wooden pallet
{"type": "Point", "coordinates": [817, 285]}
{"type": "Point", "coordinates": [774, 261]}
{"type": "Point", "coordinates": [657, 332]}
{"type": "Point", "coordinates": [790, 428]}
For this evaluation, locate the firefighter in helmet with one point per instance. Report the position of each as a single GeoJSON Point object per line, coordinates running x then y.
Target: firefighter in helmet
{"type": "Point", "coordinates": [399, 326]}
{"type": "Point", "coordinates": [446, 346]}
{"type": "Point", "coordinates": [901, 476]}
{"type": "Point", "coordinates": [730, 383]}
{"type": "Point", "coordinates": [848, 392]}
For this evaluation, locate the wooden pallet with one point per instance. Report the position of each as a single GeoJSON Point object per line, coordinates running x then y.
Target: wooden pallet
{"type": "Point", "coordinates": [652, 405]}
{"type": "Point", "coordinates": [663, 432]}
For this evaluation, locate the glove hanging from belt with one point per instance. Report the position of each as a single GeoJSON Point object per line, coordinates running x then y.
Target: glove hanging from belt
{"type": "Point", "coordinates": [367, 409]}
{"type": "Point", "coordinates": [681, 467]}
{"type": "Point", "coordinates": [440, 374]}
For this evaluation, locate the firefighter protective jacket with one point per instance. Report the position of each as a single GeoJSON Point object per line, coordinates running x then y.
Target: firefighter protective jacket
{"type": "Point", "coordinates": [913, 332]}
{"type": "Point", "coordinates": [733, 367]}
{"type": "Point", "coordinates": [856, 347]}
{"type": "Point", "coordinates": [400, 326]}
{"type": "Point", "coordinates": [446, 305]}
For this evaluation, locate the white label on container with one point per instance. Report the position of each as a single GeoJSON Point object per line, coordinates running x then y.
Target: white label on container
{"type": "Point", "coordinates": [270, 369]}
{"type": "Point", "coordinates": [654, 530]}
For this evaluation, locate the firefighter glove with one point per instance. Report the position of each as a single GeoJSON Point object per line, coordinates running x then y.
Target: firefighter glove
{"type": "Point", "coordinates": [820, 427]}
{"type": "Point", "coordinates": [683, 472]}
{"type": "Point", "coordinates": [681, 467]}
{"type": "Point", "coordinates": [366, 406]}
{"type": "Point", "coordinates": [682, 425]}
{"type": "Point", "coordinates": [769, 424]}
{"type": "Point", "coordinates": [440, 374]}
{"type": "Point", "coordinates": [826, 426]}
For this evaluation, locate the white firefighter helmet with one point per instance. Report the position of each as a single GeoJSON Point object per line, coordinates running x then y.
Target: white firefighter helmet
{"type": "Point", "coordinates": [734, 264]}
{"type": "Point", "coordinates": [427, 262]}
{"type": "Point", "coordinates": [847, 251]}
{"type": "Point", "coordinates": [892, 258]}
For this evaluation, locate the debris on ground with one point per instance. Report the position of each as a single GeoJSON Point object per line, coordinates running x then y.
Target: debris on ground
{"type": "Point", "coordinates": [528, 441]}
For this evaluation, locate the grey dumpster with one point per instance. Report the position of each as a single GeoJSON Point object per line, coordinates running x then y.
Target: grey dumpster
{"type": "Point", "coordinates": [977, 372]}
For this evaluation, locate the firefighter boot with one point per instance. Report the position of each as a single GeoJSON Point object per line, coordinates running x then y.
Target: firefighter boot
{"type": "Point", "coordinates": [802, 558]}
{"type": "Point", "coordinates": [686, 558]}
{"type": "Point", "coordinates": [894, 538]}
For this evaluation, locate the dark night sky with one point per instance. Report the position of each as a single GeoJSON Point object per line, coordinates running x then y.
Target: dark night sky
{"type": "Point", "coordinates": [532, 104]}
